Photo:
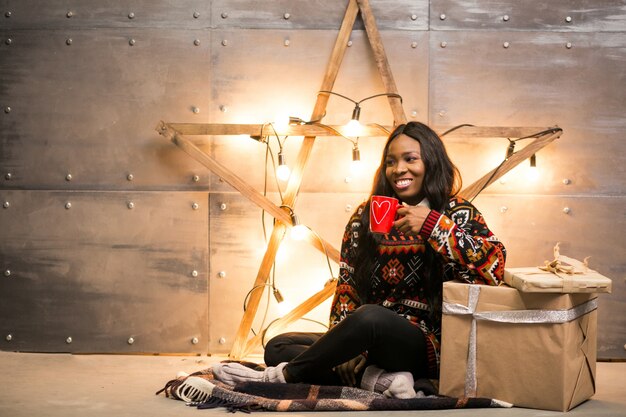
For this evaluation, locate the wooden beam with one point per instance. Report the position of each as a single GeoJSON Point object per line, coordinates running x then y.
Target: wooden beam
{"type": "Point", "coordinates": [216, 129]}
{"type": "Point", "coordinates": [515, 159]}
{"type": "Point", "coordinates": [381, 61]}
{"type": "Point", "coordinates": [240, 344]}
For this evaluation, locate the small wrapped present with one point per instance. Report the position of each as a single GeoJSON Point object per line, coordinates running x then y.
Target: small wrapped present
{"type": "Point", "coordinates": [535, 350]}
{"type": "Point", "coordinates": [562, 275]}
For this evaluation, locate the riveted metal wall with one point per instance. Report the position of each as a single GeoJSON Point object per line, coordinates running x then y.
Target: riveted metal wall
{"type": "Point", "coordinates": [83, 85]}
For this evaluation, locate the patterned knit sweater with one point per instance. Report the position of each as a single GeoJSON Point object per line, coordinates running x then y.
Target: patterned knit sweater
{"type": "Point", "coordinates": [463, 248]}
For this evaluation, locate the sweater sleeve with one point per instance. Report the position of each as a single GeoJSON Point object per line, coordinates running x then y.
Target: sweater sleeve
{"type": "Point", "coordinates": [346, 298]}
{"type": "Point", "coordinates": [469, 249]}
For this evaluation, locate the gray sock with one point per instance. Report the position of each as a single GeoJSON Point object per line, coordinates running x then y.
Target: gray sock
{"type": "Point", "coordinates": [391, 384]}
{"type": "Point", "coordinates": [233, 372]}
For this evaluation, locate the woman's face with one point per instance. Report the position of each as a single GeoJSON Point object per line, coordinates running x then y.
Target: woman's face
{"type": "Point", "coordinates": [404, 168]}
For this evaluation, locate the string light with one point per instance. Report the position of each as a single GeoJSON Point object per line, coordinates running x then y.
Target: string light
{"type": "Point", "coordinates": [356, 164]}
{"type": "Point", "coordinates": [282, 171]}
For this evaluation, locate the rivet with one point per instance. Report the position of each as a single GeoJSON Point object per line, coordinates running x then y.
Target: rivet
{"type": "Point", "coordinates": [196, 178]}
{"type": "Point", "coordinates": [287, 42]}
{"type": "Point", "coordinates": [6, 204]}
{"type": "Point", "coordinates": [131, 205]}
{"type": "Point", "coordinates": [68, 340]}
{"type": "Point", "coordinates": [442, 113]}
{"type": "Point", "coordinates": [196, 15]}
{"type": "Point", "coordinates": [568, 19]}
{"type": "Point", "coordinates": [413, 17]}
{"type": "Point", "coordinates": [349, 43]}
{"type": "Point", "coordinates": [224, 15]}
{"type": "Point", "coordinates": [443, 44]}
{"type": "Point", "coordinates": [68, 41]}
{"type": "Point", "coordinates": [223, 108]}
{"type": "Point", "coordinates": [221, 274]}
{"type": "Point", "coordinates": [568, 45]}
{"type": "Point", "coordinates": [567, 210]}
{"type": "Point", "coordinates": [567, 181]}
{"type": "Point", "coordinates": [442, 16]}
{"type": "Point", "coordinates": [506, 45]}
{"type": "Point", "coordinates": [196, 42]}
{"type": "Point", "coordinates": [68, 177]}
{"type": "Point", "coordinates": [68, 205]}
{"type": "Point", "coordinates": [222, 340]}
{"type": "Point", "coordinates": [194, 341]}
{"type": "Point", "coordinates": [9, 41]}
{"type": "Point", "coordinates": [69, 14]}
{"type": "Point", "coordinates": [130, 177]}
{"type": "Point", "coordinates": [8, 176]}
{"type": "Point", "coordinates": [223, 206]}
{"type": "Point", "coordinates": [194, 273]}
{"type": "Point", "coordinates": [224, 42]}
{"type": "Point", "coordinates": [7, 110]}
{"type": "Point", "coordinates": [195, 206]}
{"type": "Point", "coordinates": [131, 340]}
{"type": "Point", "coordinates": [7, 273]}
{"type": "Point", "coordinates": [131, 15]}
{"type": "Point", "coordinates": [347, 180]}
{"type": "Point", "coordinates": [348, 207]}
{"type": "Point", "coordinates": [286, 16]}
{"type": "Point", "coordinates": [506, 17]}
{"type": "Point", "coordinates": [7, 14]}
{"type": "Point", "coordinates": [414, 113]}
{"type": "Point", "coordinates": [131, 42]}
{"type": "Point", "coordinates": [503, 209]}
{"type": "Point", "coordinates": [196, 110]}
{"type": "Point", "coordinates": [9, 337]}
{"type": "Point", "coordinates": [413, 44]}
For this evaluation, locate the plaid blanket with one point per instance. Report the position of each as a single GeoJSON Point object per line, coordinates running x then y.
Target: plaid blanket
{"type": "Point", "coordinates": [266, 396]}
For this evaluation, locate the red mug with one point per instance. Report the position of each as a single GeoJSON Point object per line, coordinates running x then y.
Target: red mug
{"type": "Point", "coordinates": [382, 213]}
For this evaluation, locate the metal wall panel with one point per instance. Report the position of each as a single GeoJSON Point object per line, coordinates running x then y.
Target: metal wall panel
{"type": "Point", "coordinates": [92, 267]}
{"type": "Point", "coordinates": [537, 81]}
{"type": "Point", "coordinates": [89, 109]}
{"type": "Point", "coordinates": [317, 14]}
{"type": "Point", "coordinates": [550, 16]}
{"type": "Point", "coordinates": [172, 14]}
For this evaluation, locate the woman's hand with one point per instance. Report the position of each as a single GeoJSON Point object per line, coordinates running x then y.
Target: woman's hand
{"type": "Point", "coordinates": [347, 371]}
{"type": "Point", "coordinates": [411, 219]}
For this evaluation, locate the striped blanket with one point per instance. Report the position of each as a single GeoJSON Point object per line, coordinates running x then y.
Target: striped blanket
{"type": "Point", "coordinates": [265, 396]}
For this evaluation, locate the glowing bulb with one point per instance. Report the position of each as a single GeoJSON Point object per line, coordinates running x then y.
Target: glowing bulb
{"type": "Point", "coordinates": [281, 122]}
{"type": "Point", "coordinates": [284, 307]}
{"type": "Point", "coordinates": [283, 172]}
{"type": "Point", "coordinates": [299, 232]}
{"type": "Point", "coordinates": [353, 128]}
{"type": "Point", "coordinates": [532, 174]}
{"type": "Point", "coordinates": [355, 165]}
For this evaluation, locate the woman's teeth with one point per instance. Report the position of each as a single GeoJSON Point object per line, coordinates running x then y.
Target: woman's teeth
{"type": "Point", "coordinates": [403, 183]}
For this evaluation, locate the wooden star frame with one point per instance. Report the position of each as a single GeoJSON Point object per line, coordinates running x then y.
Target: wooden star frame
{"type": "Point", "coordinates": [177, 132]}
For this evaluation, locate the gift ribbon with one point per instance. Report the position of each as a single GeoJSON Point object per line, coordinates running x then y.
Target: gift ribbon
{"type": "Point", "coordinates": [557, 267]}
{"type": "Point", "coordinates": [512, 316]}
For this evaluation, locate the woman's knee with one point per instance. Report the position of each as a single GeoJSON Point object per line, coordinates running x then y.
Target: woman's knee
{"type": "Point", "coordinates": [371, 314]}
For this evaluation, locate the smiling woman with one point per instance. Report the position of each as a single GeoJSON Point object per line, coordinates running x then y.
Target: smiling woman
{"type": "Point", "coordinates": [386, 314]}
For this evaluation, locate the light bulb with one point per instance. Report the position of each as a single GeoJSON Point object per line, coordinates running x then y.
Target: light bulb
{"type": "Point", "coordinates": [298, 232]}
{"type": "Point", "coordinates": [281, 122]}
{"type": "Point", "coordinates": [532, 172]}
{"type": "Point", "coordinates": [283, 172]}
{"type": "Point", "coordinates": [353, 128]}
{"type": "Point", "coordinates": [356, 165]}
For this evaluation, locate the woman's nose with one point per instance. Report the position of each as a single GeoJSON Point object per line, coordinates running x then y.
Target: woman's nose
{"type": "Point", "coordinates": [400, 168]}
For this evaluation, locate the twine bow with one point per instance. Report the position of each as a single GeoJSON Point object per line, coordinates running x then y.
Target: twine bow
{"type": "Point", "coordinates": [557, 266]}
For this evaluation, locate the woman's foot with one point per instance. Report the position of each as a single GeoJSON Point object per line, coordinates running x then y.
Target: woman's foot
{"type": "Point", "coordinates": [232, 373]}
{"type": "Point", "coordinates": [391, 384]}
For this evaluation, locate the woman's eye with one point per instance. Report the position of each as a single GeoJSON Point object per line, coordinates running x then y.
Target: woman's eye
{"type": "Point", "coordinates": [389, 162]}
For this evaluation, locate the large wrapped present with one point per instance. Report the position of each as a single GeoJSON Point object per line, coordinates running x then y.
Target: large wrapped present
{"type": "Point", "coordinates": [535, 350]}
{"type": "Point", "coordinates": [563, 275]}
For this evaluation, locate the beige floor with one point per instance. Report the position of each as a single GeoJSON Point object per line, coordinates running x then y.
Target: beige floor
{"type": "Point", "coordinates": [62, 385]}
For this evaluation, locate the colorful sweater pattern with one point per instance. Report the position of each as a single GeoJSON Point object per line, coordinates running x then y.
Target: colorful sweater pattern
{"type": "Point", "coordinates": [463, 248]}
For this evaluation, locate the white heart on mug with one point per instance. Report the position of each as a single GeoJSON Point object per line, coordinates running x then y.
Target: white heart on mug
{"type": "Point", "coordinates": [377, 208]}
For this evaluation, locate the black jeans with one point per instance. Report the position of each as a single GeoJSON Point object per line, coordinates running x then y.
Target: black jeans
{"type": "Point", "coordinates": [391, 341]}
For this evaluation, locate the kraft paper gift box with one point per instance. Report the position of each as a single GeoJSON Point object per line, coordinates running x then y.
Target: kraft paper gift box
{"type": "Point", "coordinates": [563, 274]}
{"type": "Point", "coordinates": [534, 350]}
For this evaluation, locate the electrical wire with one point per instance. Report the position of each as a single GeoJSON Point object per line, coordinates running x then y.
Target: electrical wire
{"type": "Point", "coordinates": [455, 128]}
{"type": "Point", "coordinates": [263, 343]}
{"type": "Point", "coordinates": [511, 152]}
